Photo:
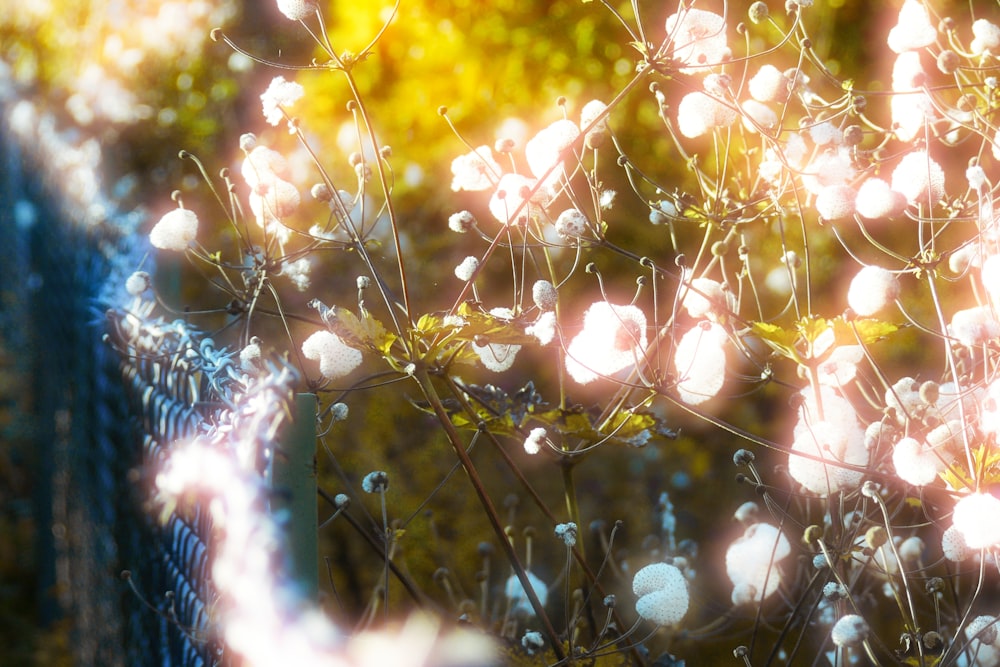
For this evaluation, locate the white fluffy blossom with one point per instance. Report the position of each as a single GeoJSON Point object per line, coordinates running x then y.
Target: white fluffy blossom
{"type": "Point", "coordinates": [663, 594]}
{"type": "Point", "coordinates": [875, 199]}
{"type": "Point", "coordinates": [913, 29]}
{"type": "Point", "coordinates": [336, 358]}
{"type": "Point", "coordinates": [571, 224]}
{"type": "Point", "coordinates": [824, 443]}
{"type": "Point", "coordinates": [280, 95]}
{"type": "Point", "coordinates": [544, 328]}
{"type": "Point", "coordinates": [974, 326]}
{"type": "Point", "coordinates": [977, 519]}
{"type": "Point", "coordinates": [297, 10]}
{"type": "Point", "coordinates": [698, 39]}
{"type": "Point", "coordinates": [547, 151]}
{"type": "Point", "coordinates": [918, 178]}
{"type": "Point", "coordinates": [467, 268]}
{"type": "Point", "coordinates": [915, 462]}
{"type": "Point", "coordinates": [850, 630]}
{"type": "Point", "coordinates": [769, 84]}
{"type": "Point", "coordinates": [836, 202]}
{"type": "Point", "coordinates": [613, 337]}
{"type": "Point", "coordinates": [475, 171]}
{"type": "Point", "coordinates": [175, 230]}
{"type": "Point", "coordinates": [498, 357]}
{"type": "Point", "coordinates": [512, 202]}
{"type": "Point", "coordinates": [700, 362]}
{"type": "Point", "coordinates": [535, 440]}
{"type": "Point", "coordinates": [515, 592]}
{"type": "Point", "coordinates": [986, 37]}
{"type": "Point", "coordinates": [872, 289]}
{"type": "Point", "coordinates": [751, 562]}
{"type": "Point", "coordinates": [699, 113]}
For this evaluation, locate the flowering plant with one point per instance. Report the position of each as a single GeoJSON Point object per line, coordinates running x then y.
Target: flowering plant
{"type": "Point", "coordinates": [828, 233]}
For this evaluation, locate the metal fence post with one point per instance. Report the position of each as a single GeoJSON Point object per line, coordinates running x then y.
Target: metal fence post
{"type": "Point", "coordinates": [294, 480]}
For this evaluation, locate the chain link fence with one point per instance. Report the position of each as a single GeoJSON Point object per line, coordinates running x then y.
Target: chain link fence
{"type": "Point", "coordinates": [106, 388]}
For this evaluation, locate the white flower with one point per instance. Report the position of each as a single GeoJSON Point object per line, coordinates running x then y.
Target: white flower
{"type": "Point", "coordinates": [700, 362]}
{"type": "Point", "coordinates": [548, 149]}
{"type": "Point", "coordinates": [376, 481]}
{"type": "Point", "coordinates": [918, 178]}
{"type": "Point", "coordinates": [568, 533]}
{"type": "Point", "coordinates": [663, 594]}
{"type": "Point", "coordinates": [916, 463]}
{"type": "Point", "coordinates": [279, 95]}
{"type": "Point", "coordinates": [751, 562]}
{"type": "Point", "coordinates": [703, 297]}
{"type": "Point", "coordinates": [298, 272]}
{"type": "Point", "coordinates": [983, 628]}
{"type": "Point", "coordinates": [297, 10]}
{"type": "Point", "coordinates": [977, 519]}
{"type": "Point", "coordinates": [535, 440]}
{"type": "Point", "coordinates": [276, 201]}
{"type": "Point", "coordinates": [986, 37]}
{"type": "Point", "coordinates": [835, 202]}
{"type": "Point", "coordinates": [498, 357]}
{"type": "Point", "coordinates": [976, 176]}
{"type": "Point", "coordinates": [953, 545]}
{"type": "Point", "coordinates": [850, 630]}
{"type": "Point", "coordinates": [913, 30]}
{"type": "Point", "coordinates": [841, 366]}
{"type": "Point", "coordinates": [826, 133]}
{"type": "Point", "coordinates": [611, 340]}
{"type": "Point", "coordinates": [698, 39]}
{"type": "Point", "coordinates": [544, 294]}
{"type": "Point", "coordinates": [544, 328]}
{"type": "Point", "coordinates": [872, 289]}
{"type": "Point", "coordinates": [467, 268]}
{"type": "Point", "coordinates": [699, 113]}
{"type": "Point", "coordinates": [875, 199]}
{"type": "Point", "coordinates": [769, 84]}
{"type": "Point", "coordinates": [974, 326]}
{"type": "Point", "coordinates": [513, 195]}
{"type": "Point", "coordinates": [175, 230]}
{"type": "Point", "coordinates": [515, 592]}
{"type": "Point", "coordinates": [250, 357]}
{"type": "Point", "coordinates": [758, 115]}
{"type": "Point", "coordinates": [138, 283]}
{"type": "Point", "coordinates": [336, 358]}
{"type": "Point", "coordinates": [475, 171]}
{"type": "Point", "coordinates": [830, 442]}
{"type": "Point", "coordinates": [262, 166]}
{"type": "Point", "coordinates": [831, 167]}
{"type": "Point", "coordinates": [461, 222]}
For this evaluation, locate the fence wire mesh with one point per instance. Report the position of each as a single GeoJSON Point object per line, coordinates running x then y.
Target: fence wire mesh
{"type": "Point", "coordinates": [109, 389]}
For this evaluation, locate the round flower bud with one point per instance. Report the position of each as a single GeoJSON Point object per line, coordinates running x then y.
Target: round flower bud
{"type": "Point", "coordinates": [248, 142]}
{"type": "Point", "coordinates": [758, 12]}
{"type": "Point", "coordinates": [948, 61]}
